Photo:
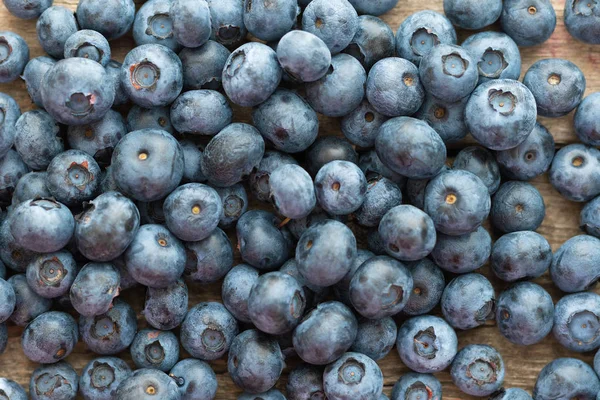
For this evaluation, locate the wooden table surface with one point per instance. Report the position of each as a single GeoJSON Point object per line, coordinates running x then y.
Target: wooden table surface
{"type": "Point", "coordinates": [522, 363]}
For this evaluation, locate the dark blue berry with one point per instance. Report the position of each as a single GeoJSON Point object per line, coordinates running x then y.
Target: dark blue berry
{"type": "Point", "coordinates": [468, 301]}
{"type": "Point", "coordinates": [50, 337]}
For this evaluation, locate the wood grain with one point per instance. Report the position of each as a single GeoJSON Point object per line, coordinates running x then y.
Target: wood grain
{"type": "Point", "coordinates": [523, 363]}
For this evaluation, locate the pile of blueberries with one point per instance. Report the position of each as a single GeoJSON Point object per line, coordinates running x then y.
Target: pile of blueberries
{"type": "Point", "coordinates": [95, 203]}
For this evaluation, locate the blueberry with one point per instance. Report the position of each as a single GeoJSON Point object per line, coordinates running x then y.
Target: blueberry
{"type": "Point", "coordinates": [501, 114]}
{"type": "Point", "coordinates": [192, 158]}
{"type": "Point", "coordinates": [42, 225]}
{"type": "Point", "coordinates": [361, 125]}
{"type": "Point", "coordinates": [511, 394]}
{"type": "Point", "coordinates": [342, 89]}
{"type": "Point", "coordinates": [98, 139]}
{"type": "Point", "coordinates": [224, 167]}
{"type": "Point", "coordinates": [166, 308]}
{"type": "Point", "coordinates": [426, 344]}
{"type": "Point", "coordinates": [407, 233]}
{"type": "Point", "coordinates": [15, 55]}
{"type": "Point", "coordinates": [270, 21]}
{"type": "Point", "coordinates": [94, 289]}
{"type": "Point", "coordinates": [37, 139]}
{"type": "Point", "coordinates": [447, 119]}
{"type": "Point", "coordinates": [195, 379]}
{"type": "Point", "coordinates": [73, 177]}
{"type": "Point", "coordinates": [574, 172]}
{"type": "Point", "coordinates": [335, 22]}
{"type": "Point", "coordinates": [147, 164]}
{"type": "Point", "coordinates": [12, 389]}
{"type": "Point", "coordinates": [54, 26]}
{"type": "Point", "coordinates": [236, 290]}
{"type": "Point", "coordinates": [251, 74]}
{"type": "Point", "coordinates": [101, 377]}
{"type": "Point", "coordinates": [422, 31]}
{"type": "Point", "coordinates": [155, 349]}
{"type": "Point", "coordinates": [203, 66]}
{"type": "Point", "coordinates": [525, 313]}
{"type": "Point", "coordinates": [201, 112]}
{"type": "Point", "coordinates": [374, 40]}
{"type": "Point", "coordinates": [305, 382]}
{"type": "Point", "coordinates": [51, 275]}
{"type": "Point", "coordinates": [394, 88]}
{"type": "Point", "coordinates": [596, 362]}
{"type": "Point", "coordinates": [3, 337]}
{"type": "Point", "coordinates": [12, 168]}
{"type": "Point", "coordinates": [371, 165]}
{"type": "Point", "coordinates": [478, 370]}
{"type": "Point", "coordinates": [574, 267]}
{"type": "Point", "coordinates": [529, 159]}
{"type": "Point", "coordinates": [521, 255]}
{"type": "Point", "coordinates": [581, 20]}
{"type": "Point", "coordinates": [152, 212]}
{"type": "Point", "coordinates": [152, 75]}
{"type": "Point", "coordinates": [27, 9]}
{"type": "Point", "coordinates": [382, 196]}
{"type": "Point", "coordinates": [428, 286]}
{"type": "Point", "coordinates": [353, 376]}
{"type": "Point", "coordinates": [88, 44]}
{"type": "Point", "coordinates": [457, 201]}
{"type": "Point", "coordinates": [412, 386]}
{"type": "Point", "coordinates": [326, 149]}
{"type": "Point", "coordinates": [557, 85]}
{"type": "Point", "coordinates": [481, 162]}
{"type": "Point", "coordinates": [570, 377]}
{"type": "Point", "coordinates": [342, 288]}
{"type": "Point", "coordinates": [153, 25]}
{"type": "Point", "coordinates": [325, 253]}
{"type": "Point", "coordinates": [340, 187]}
{"type": "Point", "coordinates": [587, 125]}
{"type": "Point", "coordinates": [107, 181]}
{"type": "Point", "coordinates": [528, 23]}
{"type": "Point", "coordinates": [464, 253]}
{"type": "Point", "coordinates": [30, 186]}
{"type": "Point", "coordinates": [589, 218]}
{"type": "Point", "coordinates": [576, 321]}
{"type": "Point", "coordinates": [292, 191]}
{"type": "Point", "coordinates": [33, 74]}
{"type": "Point", "coordinates": [376, 7]}
{"type": "Point", "coordinates": [145, 384]}
{"type": "Point", "coordinates": [468, 14]}
{"type": "Point", "coordinates": [260, 175]}
{"type": "Point", "coordinates": [109, 333]}
{"type": "Point", "coordinates": [149, 118]}
{"type": "Point", "coordinates": [54, 382]}
{"type": "Point", "coordinates": [517, 206]}
{"type": "Point", "coordinates": [272, 394]}
{"type": "Point", "coordinates": [468, 301]}
{"type": "Point", "coordinates": [497, 54]}
{"type": "Point", "coordinates": [112, 19]}
{"type": "Point", "coordinates": [235, 204]}
{"type": "Point", "coordinates": [74, 91]}
{"type": "Point", "coordinates": [255, 361]}
{"type": "Point", "coordinates": [303, 56]}
{"type": "Point", "coordinates": [8, 300]}
{"type": "Point", "coordinates": [50, 337]}
{"type": "Point", "coordinates": [13, 255]}
{"type": "Point", "coordinates": [191, 22]}
{"type": "Point", "coordinates": [375, 338]}
{"type": "Point", "coordinates": [210, 259]}
{"type": "Point", "coordinates": [227, 18]}
{"type": "Point", "coordinates": [10, 112]}
{"type": "Point", "coordinates": [375, 243]}
{"type": "Point", "coordinates": [298, 226]}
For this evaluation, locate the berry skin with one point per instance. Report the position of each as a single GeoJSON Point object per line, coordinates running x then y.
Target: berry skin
{"type": "Point", "coordinates": [208, 331]}
{"type": "Point", "coordinates": [155, 257]}
{"type": "Point", "coordinates": [428, 286]}
{"type": "Point", "coordinates": [521, 255]}
{"type": "Point", "coordinates": [335, 22]}
{"type": "Point", "coordinates": [236, 290]}
{"type": "Point", "coordinates": [510, 394]}
{"type": "Point", "coordinates": [468, 14]}
{"type": "Point", "coordinates": [191, 22]}
{"type": "Point", "coordinates": [408, 233]}
{"type": "Point", "coordinates": [251, 74]}
{"type": "Point", "coordinates": [517, 206]}
{"type": "Point", "coordinates": [227, 18]}
{"type": "Point", "coordinates": [588, 221]}
{"type": "Point", "coordinates": [192, 158]}
{"type": "Point", "coordinates": [464, 253]}
{"type": "Point", "coordinates": [203, 66]}
{"type": "Point", "coordinates": [587, 125]}
{"type": "Point", "coordinates": [73, 177]}
{"type": "Point", "coordinates": [146, 383]}
{"type": "Point", "coordinates": [575, 265]}
{"type": "Point", "coordinates": [112, 19]}
{"type": "Point", "coordinates": [353, 376]}
{"type": "Point", "coordinates": [468, 301]}
{"type": "Point", "coordinates": [139, 118]}
{"type": "Point", "coordinates": [210, 259]}
{"type": "Point", "coordinates": [447, 119]}
{"type": "Point", "coordinates": [12, 389]}
{"type": "Point", "coordinates": [201, 112]}
{"type": "Point", "coordinates": [362, 124]}
{"type": "Point", "coordinates": [325, 253]}
{"type": "Point", "coordinates": [581, 21]}
{"type": "Point", "coordinates": [260, 175]}
{"type": "Point", "coordinates": [272, 394]}
{"type": "Point", "coordinates": [166, 308]}
{"type": "Point", "coordinates": [155, 349]}
{"type": "Point", "coordinates": [74, 91]}
{"type": "Point", "coordinates": [498, 55]}
{"type": "Point", "coordinates": [377, 7]}
{"type": "Point", "coordinates": [305, 382]}
{"type": "Point", "coordinates": [147, 164]}
{"type": "Point", "coordinates": [195, 379]}
{"type": "Point", "coordinates": [501, 113]}
{"type": "Point", "coordinates": [28, 304]}
{"type": "Point", "coordinates": [153, 25]}
{"type": "Point", "coordinates": [94, 289]}
{"type": "Point", "coordinates": [374, 41]}
{"type": "Point", "coordinates": [42, 225]}
{"type": "Point", "coordinates": [88, 44]}
{"type": "Point", "coordinates": [8, 300]}
{"type": "Point", "coordinates": [375, 338]}
{"type": "Point", "coordinates": [528, 23]}
{"type": "Point", "coordinates": [109, 333]}
{"type": "Point", "coordinates": [410, 147]}
{"type": "Point", "coordinates": [32, 185]}
{"type": "Point", "coordinates": [269, 22]}
{"type": "Point", "coordinates": [574, 172]}
{"type": "Point", "coordinates": [101, 377]}
{"type": "Point", "coordinates": [53, 382]}
{"type": "Point", "coordinates": [457, 201]}
{"type": "Point", "coordinates": [478, 370]}
{"type": "Point", "coordinates": [426, 344]}
{"type": "Point", "coordinates": [525, 313]}
{"type": "Point", "coordinates": [382, 196]}
{"type": "Point", "coordinates": [480, 162]}
{"type": "Point", "coordinates": [51, 275]}
{"type": "Point", "coordinates": [54, 26]}
{"type": "Point", "coordinates": [152, 75]}
{"type": "Point", "coordinates": [113, 69]}
{"type": "Point", "coordinates": [33, 74]}
{"type": "Point", "coordinates": [10, 114]}
{"type": "Point", "coordinates": [15, 55]}
{"type": "Point", "coordinates": [50, 337]}
{"type": "Point", "coordinates": [340, 187]}
{"type": "Point", "coordinates": [414, 385]}
{"type": "Point", "coordinates": [576, 323]}
{"type": "Point", "coordinates": [303, 56]}
{"type": "Point", "coordinates": [27, 9]}
{"type": "Point", "coordinates": [12, 168]}
{"type": "Point", "coordinates": [255, 361]}
{"type": "Point", "coordinates": [292, 191]}
{"type": "Point", "coordinates": [14, 256]}
{"type": "Point", "coordinates": [107, 227]}
{"type": "Point", "coordinates": [570, 377]}
{"type": "Point", "coordinates": [37, 139]}
{"type": "Point", "coordinates": [224, 167]}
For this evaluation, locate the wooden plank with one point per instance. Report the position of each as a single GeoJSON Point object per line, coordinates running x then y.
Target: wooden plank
{"type": "Point", "coordinates": [561, 223]}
